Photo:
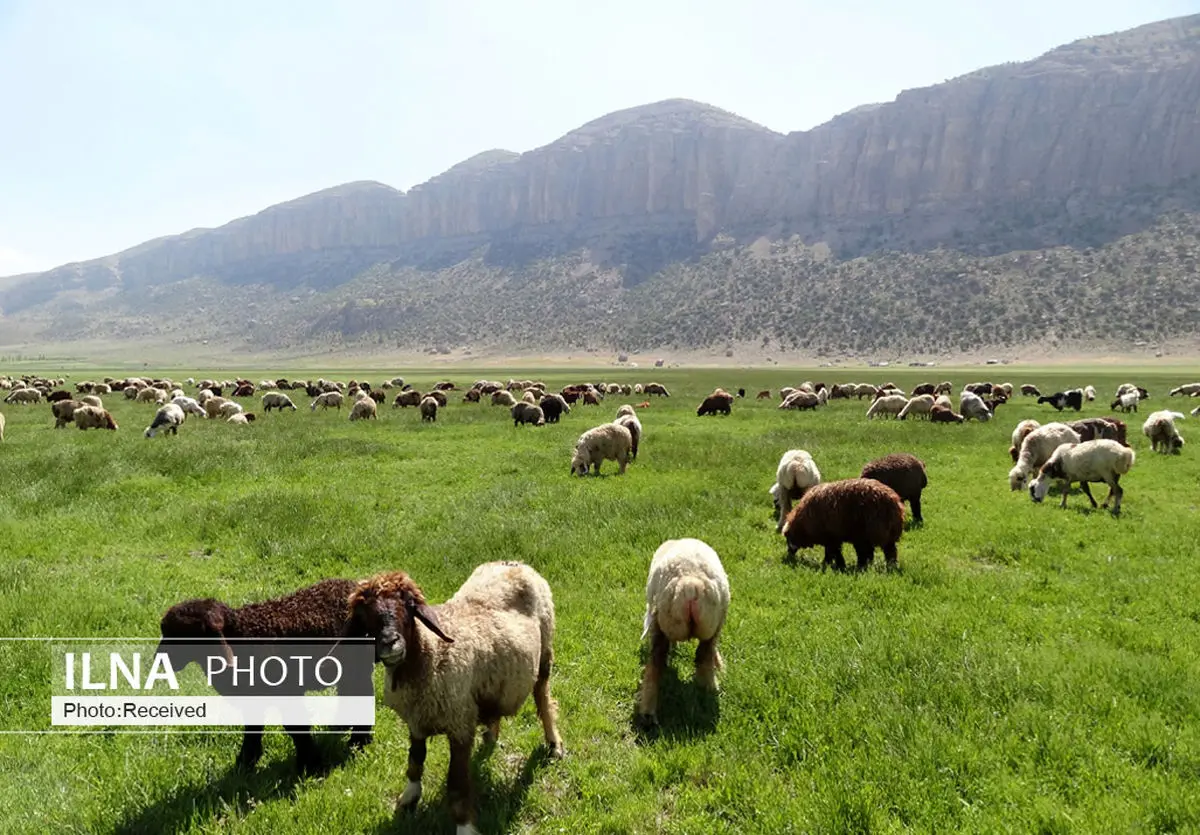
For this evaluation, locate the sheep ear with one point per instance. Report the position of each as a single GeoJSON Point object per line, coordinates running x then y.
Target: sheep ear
{"type": "Point", "coordinates": [425, 615]}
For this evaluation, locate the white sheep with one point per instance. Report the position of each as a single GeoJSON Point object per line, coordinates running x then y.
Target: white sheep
{"type": "Point", "coordinates": [91, 400]}
{"type": "Point", "coordinates": [943, 400]}
{"type": "Point", "coordinates": [1036, 450]}
{"type": "Point", "coordinates": [801, 399]}
{"type": "Point", "coordinates": [1091, 461]}
{"type": "Point", "coordinates": [229, 408]}
{"type": "Point", "coordinates": [470, 661]}
{"type": "Point", "coordinates": [1187, 390]}
{"type": "Point", "coordinates": [919, 406]}
{"type": "Point", "coordinates": [169, 417]}
{"type": "Point", "coordinates": [1089, 393]}
{"type": "Point", "coordinates": [687, 598]}
{"type": "Point", "coordinates": [890, 404]}
{"type": "Point", "coordinates": [190, 406]}
{"type": "Point", "coordinates": [277, 400]}
{"type": "Point", "coordinates": [239, 419]}
{"type": "Point", "coordinates": [610, 441]}
{"type": "Point", "coordinates": [630, 421]}
{"type": "Point", "coordinates": [971, 405]}
{"type": "Point", "coordinates": [1126, 401]}
{"type": "Point", "coordinates": [1018, 436]}
{"type": "Point", "coordinates": [364, 409]}
{"type": "Point", "coordinates": [1160, 429]}
{"type": "Point", "coordinates": [796, 473]}
{"type": "Point", "coordinates": [327, 399]}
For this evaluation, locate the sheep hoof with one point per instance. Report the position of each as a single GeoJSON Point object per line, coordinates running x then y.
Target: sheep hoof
{"type": "Point", "coordinates": [410, 797]}
{"type": "Point", "coordinates": [557, 751]}
{"type": "Point", "coordinates": [647, 721]}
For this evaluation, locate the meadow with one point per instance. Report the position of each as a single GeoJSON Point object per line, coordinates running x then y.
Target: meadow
{"type": "Point", "coordinates": [1028, 669]}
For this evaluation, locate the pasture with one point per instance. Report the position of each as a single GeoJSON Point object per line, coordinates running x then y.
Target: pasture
{"type": "Point", "coordinates": [1027, 668]}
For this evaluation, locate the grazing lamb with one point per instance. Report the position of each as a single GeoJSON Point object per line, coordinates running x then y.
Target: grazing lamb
{"type": "Point", "coordinates": [1029, 390]}
{"type": "Point", "coordinates": [919, 406]}
{"type": "Point", "coordinates": [611, 442]}
{"type": "Point", "coordinates": [687, 598]}
{"type": "Point", "coordinates": [229, 408]}
{"type": "Point", "coordinates": [91, 417]}
{"type": "Point", "coordinates": [1089, 393]}
{"type": "Point", "coordinates": [523, 413]}
{"type": "Point", "coordinates": [1160, 429]}
{"type": "Point", "coordinates": [406, 398]}
{"type": "Point", "coordinates": [1090, 461]}
{"type": "Point", "coordinates": [1036, 450]}
{"type": "Point", "coordinates": [365, 409]}
{"type": "Point", "coordinates": [327, 399]}
{"type": "Point", "coordinates": [971, 405]}
{"type": "Point", "coordinates": [1187, 390]}
{"type": "Point", "coordinates": [1127, 402]}
{"type": "Point", "coordinates": [241, 419]}
{"type": "Point", "coordinates": [1018, 437]}
{"type": "Point", "coordinates": [905, 474]}
{"type": "Point", "coordinates": [64, 412]}
{"type": "Point", "coordinates": [801, 399]}
{"type": "Point", "coordinates": [944, 414]}
{"type": "Point", "coordinates": [719, 402]}
{"type": "Point", "coordinates": [796, 474]}
{"type": "Point", "coordinates": [318, 611]}
{"type": "Point", "coordinates": [190, 406]}
{"type": "Point", "coordinates": [213, 405]}
{"type": "Point", "coordinates": [277, 400]}
{"type": "Point", "coordinates": [169, 417]}
{"type": "Point", "coordinates": [889, 405]}
{"type": "Point", "coordinates": [630, 421]}
{"type": "Point", "coordinates": [503, 398]}
{"type": "Point", "coordinates": [860, 511]}
{"type": "Point", "coordinates": [470, 661]}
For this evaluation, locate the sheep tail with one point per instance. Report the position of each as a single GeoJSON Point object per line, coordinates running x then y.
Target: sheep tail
{"type": "Point", "coordinates": [1125, 461]}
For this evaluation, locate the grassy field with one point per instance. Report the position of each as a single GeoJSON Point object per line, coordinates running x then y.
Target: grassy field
{"type": "Point", "coordinates": [1028, 669]}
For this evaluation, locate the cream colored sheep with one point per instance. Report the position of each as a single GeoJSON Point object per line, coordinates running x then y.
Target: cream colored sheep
{"type": "Point", "coordinates": [1160, 429]}
{"type": "Point", "coordinates": [919, 406]}
{"type": "Point", "coordinates": [169, 417]}
{"type": "Point", "coordinates": [687, 598]}
{"type": "Point", "coordinates": [889, 405]}
{"type": "Point", "coordinates": [239, 419]}
{"type": "Point", "coordinates": [608, 442]}
{"type": "Point", "coordinates": [91, 400]}
{"type": "Point", "coordinates": [229, 408]}
{"type": "Point", "coordinates": [796, 473]}
{"type": "Point", "coordinates": [1091, 461]}
{"type": "Point", "coordinates": [503, 398]}
{"type": "Point", "coordinates": [1018, 436]}
{"type": "Point", "coordinates": [213, 405]}
{"type": "Point", "coordinates": [943, 401]}
{"type": "Point", "coordinates": [190, 406]}
{"type": "Point", "coordinates": [151, 395]}
{"type": "Point", "coordinates": [94, 417]}
{"type": "Point", "coordinates": [24, 396]}
{"type": "Point", "coordinates": [630, 421]}
{"type": "Point", "coordinates": [1036, 450]}
{"type": "Point", "coordinates": [277, 400]}
{"type": "Point", "coordinates": [364, 409]}
{"type": "Point", "coordinates": [327, 399]}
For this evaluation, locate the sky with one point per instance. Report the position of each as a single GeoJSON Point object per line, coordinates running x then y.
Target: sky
{"type": "Point", "coordinates": [126, 120]}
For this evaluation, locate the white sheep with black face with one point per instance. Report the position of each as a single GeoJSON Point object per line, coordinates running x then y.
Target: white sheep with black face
{"type": "Point", "coordinates": [1088, 462]}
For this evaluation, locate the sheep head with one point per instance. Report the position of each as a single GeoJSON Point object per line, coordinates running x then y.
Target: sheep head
{"type": "Point", "coordinates": [387, 607]}
{"type": "Point", "coordinates": [207, 619]}
{"type": "Point", "coordinates": [109, 423]}
{"type": "Point", "coordinates": [580, 461]}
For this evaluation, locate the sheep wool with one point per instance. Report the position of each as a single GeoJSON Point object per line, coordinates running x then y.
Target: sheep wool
{"type": "Point", "coordinates": [1036, 450]}
{"type": "Point", "coordinates": [860, 511]}
{"type": "Point", "coordinates": [796, 473]}
{"type": "Point", "coordinates": [609, 442]}
{"type": "Point", "coordinates": [1090, 461]}
{"type": "Point", "coordinates": [1164, 436]}
{"type": "Point", "coordinates": [905, 474]}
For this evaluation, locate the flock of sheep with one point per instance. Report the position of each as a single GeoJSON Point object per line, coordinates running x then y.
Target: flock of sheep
{"type": "Point", "coordinates": [477, 658]}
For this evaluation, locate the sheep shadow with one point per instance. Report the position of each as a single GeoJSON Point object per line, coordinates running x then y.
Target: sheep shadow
{"type": "Point", "coordinates": [497, 802]}
{"type": "Point", "coordinates": [685, 709]}
{"type": "Point", "coordinates": [187, 804]}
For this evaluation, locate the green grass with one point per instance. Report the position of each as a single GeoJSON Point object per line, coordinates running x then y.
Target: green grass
{"type": "Point", "coordinates": [1028, 669]}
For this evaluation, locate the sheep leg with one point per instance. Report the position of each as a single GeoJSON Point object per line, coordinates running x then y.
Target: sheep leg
{"type": "Point", "coordinates": [708, 661]}
{"type": "Point", "coordinates": [660, 650]}
{"type": "Point", "coordinates": [416, 769]}
{"type": "Point", "coordinates": [547, 709]}
{"type": "Point", "coordinates": [1087, 491]}
{"type": "Point", "coordinates": [308, 757]}
{"type": "Point", "coordinates": [1066, 492]}
{"type": "Point", "coordinates": [1115, 490]}
{"type": "Point", "coordinates": [252, 747]}
{"type": "Point", "coordinates": [833, 556]}
{"type": "Point", "coordinates": [458, 785]}
{"type": "Point", "coordinates": [621, 462]}
{"type": "Point", "coordinates": [915, 504]}
{"type": "Point", "coordinates": [865, 552]}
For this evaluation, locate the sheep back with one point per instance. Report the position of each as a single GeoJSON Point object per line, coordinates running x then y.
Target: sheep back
{"type": "Point", "coordinates": [851, 510]}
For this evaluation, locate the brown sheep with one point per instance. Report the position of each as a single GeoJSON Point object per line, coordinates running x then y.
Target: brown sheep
{"type": "Point", "coordinates": [318, 611]}
{"type": "Point", "coordinates": [924, 388]}
{"type": "Point", "coordinates": [765, 394]}
{"type": "Point", "coordinates": [905, 474]}
{"type": "Point", "coordinates": [590, 398]}
{"type": "Point", "coordinates": [404, 399]}
{"type": "Point", "coordinates": [1097, 428]}
{"type": "Point", "coordinates": [439, 395]}
{"type": "Point", "coordinates": [719, 402]}
{"type": "Point", "coordinates": [64, 412]}
{"type": "Point", "coordinates": [61, 394]}
{"type": "Point", "coordinates": [940, 414]}
{"type": "Point", "coordinates": [860, 511]}
{"type": "Point", "coordinates": [89, 417]}
{"type": "Point", "coordinates": [472, 396]}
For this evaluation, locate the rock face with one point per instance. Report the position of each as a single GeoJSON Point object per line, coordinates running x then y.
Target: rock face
{"type": "Point", "coordinates": [1089, 142]}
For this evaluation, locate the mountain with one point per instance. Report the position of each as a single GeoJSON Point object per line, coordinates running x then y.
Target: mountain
{"type": "Point", "coordinates": [609, 234]}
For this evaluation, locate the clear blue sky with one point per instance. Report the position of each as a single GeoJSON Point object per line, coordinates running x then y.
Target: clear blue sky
{"type": "Point", "coordinates": [124, 120]}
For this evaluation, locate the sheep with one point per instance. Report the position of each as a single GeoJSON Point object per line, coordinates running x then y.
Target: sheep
{"type": "Point", "coordinates": [1006, 389]}
{"type": "Point", "coordinates": [277, 400]}
{"type": "Point", "coordinates": [91, 417]}
{"type": "Point", "coordinates": [190, 406]}
{"type": "Point", "coordinates": [241, 419]}
{"type": "Point", "coordinates": [630, 421]}
{"type": "Point", "coordinates": [610, 441]}
{"type": "Point", "coordinates": [470, 661]}
{"type": "Point", "coordinates": [169, 417]}
{"type": "Point", "coordinates": [1062, 399]}
{"type": "Point", "coordinates": [687, 598]}
{"type": "Point", "coordinates": [1187, 390]}
{"type": "Point", "coordinates": [1160, 429]}
{"type": "Point", "coordinates": [439, 395]}
{"type": "Point", "coordinates": [151, 395]}
{"type": "Point", "coordinates": [61, 394]}
{"type": "Point", "coordinates": [719, 402]}
{"type": "Point", "coordinates": [1089, 393]}
{"type": "Point", "coordinates": [861, 511]}
{"type": "Point", "coordinates": [888, 405]}
{"type": "Point", "coordinates": [503, 398]}
{"type": "Point", "coordinates": [406, 398]}
{"type": "Point", "coordinates": [326, 399]}
{"type": "Point", "coordinates": [971, 405]}
{"type": "Point", "coordinates": [24, 395]}
{"type": "Point", "coordinates": [1126, 402]}
{"type": "Point", "coordinates": [796, 473]}
{"type": "Point", "coordinates": [523, 413]}
{"type": "Point", "coordinates": [1090, 429]}
{"type": "Point", "coordinates": [657, 388]}
{"type": "Point", "coordinates": [64, 412]}
{"type": "Point", "coordinates": [944, 414]}
{"type": "Point", "coordinates": [1018, 437]}
{"type": "Point", "coordinates": [918, 406]}
{"type": "Point", "coordinates": [924, 388]}
{"type": "Point", "coordinates": [905, 474]}
{"type": "Point", "coordinates": [317, 611]}
{"type": "Point", "coordinates": [553, 406]}
{"type": "Point", "coordinates": [471, 396]}
{"type": "Point", "coordinates": [365, 409]}
{"type": "Point", "coordinates": [91, 400]}
{"type": "Point", "coordinates": [1036, 450]}
{"type": "Point", "coordinates": [1090, 461]}
{"type": "Point", "coordinates": [1030, 390]}
{"type": "Point", "coordinates": [765, 394]}
{"type": "Point", "coordinates": [212, 406]}
{"type": "Point", "coordinates": [801, 400]}
{"type": "Point", "coordinates": [229, 408]}
{"type": "Point", "coordinates": [786, 392]}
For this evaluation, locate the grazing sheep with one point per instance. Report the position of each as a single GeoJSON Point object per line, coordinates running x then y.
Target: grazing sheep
{"type": "Point", "coordinates": [905, 474]}
{"type": "Point", "coordinates": [630, 421]}
{"type": "Point", "coordinates": [318, 611]}
{"type": "Point", "coordinates": [657, 388]}
{"type": "Point", "coordinates": [553, 407]}
{"type": "Point", "coordinates": [327, 399]}
{"type": "Point", "coordinates": [150, 394]}
{"type": "Point", "coordinates": [91, 400]}
{"type": "Point", "coordinates": [610, 441]}
{"type": "Point", "coordinates": [944, 414]}
{"type": "Point", "coordinates": [61, 394]}
{"type": "Point", "coordinates": [365, 409]}
{"type": "Point", "coordinates": [471, 661]}
{"type": "Point", "coordinates": [765, 394]}
{"type": "Point", "coordinates": [1029, 390]}
{"type": "Point", "coordinates": [1090, 461]}
{"type": "Point", "coordinates": [919, 406]}
{"type": "Point", "coordinates": [229, 408]}
{"type": "Point", "coordinates": [1089, 393]}
{"type": "Point", "coordinates": [1126, 402]}
{"type": "Point", "coordinates": [1091, 429]}
{"type": "Point", "coordinates": [64, 412]}
{"type": "Point", "coordinates": [861, 511]}
{"type": "Point", "coordinates": [92, 417]}
{"type": "Point", "coordinates": [503, 398]}
{"type": "Point", "coordinates": [943, 388]}
{"type": "Point", "coordinates": [1036, 450]}
{"type": "Point", "coordinates": [212, 406]}
{"type": "Point", "coordinates": [801, 400]}
{"type": "Point", "coordinates": [1160, 429]}
{"type": "Point", "coordinates": [523, 412]}
{"type": "Point", "coordinates": [1018, 437]}
{"type": "Point", "coordinates": [23, 396]}
{"type": "Point", "coordinates": [277, 400]}
{"type": "Point", "coordinates": [687, 598]}
{"type": "Point", "coordinates": [169, 417]}
{"type": "Point", "coordinates": [796, 473]}
{"type": "Point", "coordinates": [925, 388]}
{"type": "Point", "coordinates": [241, 418]}
{"type": "Point", "coordinates": [889, 405]}
{"type": "Point", "coordinates": [1187, 389]}
{"type": "Point", "coordinates": [439, 395]}
{"type": "Point", "coordinates": [1061, 399]}
{"type": "Point", "coordinates": [406, 398]}
{"type": "Point", "coordinates": [190, 406]}
{"type": "Point", "coordinates": [971, 405]}
{"type": "Point", "coordinates": [719, 402]}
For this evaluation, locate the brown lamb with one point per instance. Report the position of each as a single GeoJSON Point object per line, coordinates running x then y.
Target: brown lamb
{"type": "Point", "coordinates": [940, 414]}
{"type": "Point", "coordinates": [861, 511]}
{"type": "Point", "coordinates": [719, 402]}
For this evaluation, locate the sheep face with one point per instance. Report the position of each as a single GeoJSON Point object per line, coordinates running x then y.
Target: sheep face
{"type": "Point", "coordinates": [205, 619]}
{"type": "Point", "coordinates": [387, 608]}
{"type": "Point", "coordinates": [580, 462]}
{"type": "Point", "coordinates": [1038, 489]}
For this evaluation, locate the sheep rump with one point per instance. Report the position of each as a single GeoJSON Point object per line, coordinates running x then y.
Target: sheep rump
{"type": "Point", "coordinates": [796, 473]}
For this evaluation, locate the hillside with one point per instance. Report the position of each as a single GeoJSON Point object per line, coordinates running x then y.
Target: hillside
{"type": "Point", "coordinates": [680, 223]}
